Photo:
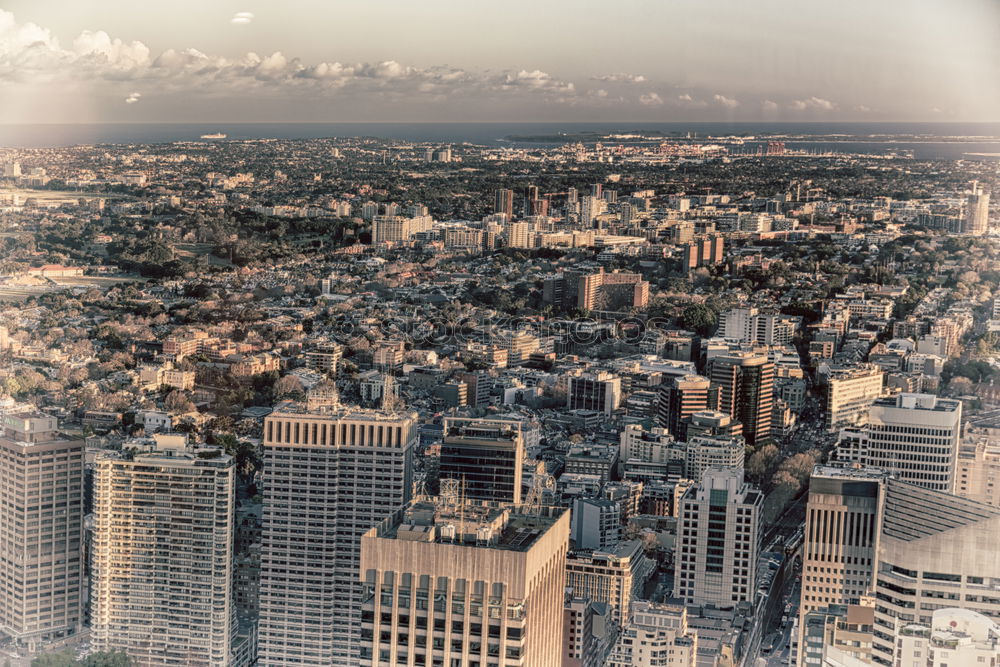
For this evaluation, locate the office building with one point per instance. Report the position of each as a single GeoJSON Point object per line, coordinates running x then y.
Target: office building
{"type": "Point", "coordinates": [161, 561]}
{"type": "Point", "coordinates": [485, 456]}
{"type": "Point", "coordinates": [679, 398]}
{"type": "Point", "coordinates": [936, 550]}
{"type": "Point", "coordinates": [600, 391]}
{"type": "Point", "coordinates": [712, 424]}
{"type": "Point", "coordinates": [41, 530]}
{"type": "Point", "coordinates": [850, 393]}
{"type": "Point", "coordinates": [953, 637]}
{"type": "Point", "coordinates": [614, 577]}
{"type": "Point", "coordinates": [835, 635]}
{"type": "Point", "coordinates": [746, 385]}
{"type": "Point", "coordinates": [977, 474]}
{"type": "Point", "coordinates": [718, 540]}
{"type": "Point", "coordinates": [584, 642]}
{"type": "Point", "coordinates": [658, 634]}
{"type": "Point", "coordinates": [840, 544]}
{"type": "Point", "coordinates": [704, 452]}
{"type": "Point", "coordinates": [915, 437]}
{"type": "Point", "coordinates": [595, 523]}
{"type": "Point", "coordinates": [452, 584]}
{"type": "Point", "coordinates": [329, 476]}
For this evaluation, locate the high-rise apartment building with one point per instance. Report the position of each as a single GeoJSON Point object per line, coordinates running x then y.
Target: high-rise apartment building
{"type": "Point", "coordinates": [485, 456]}
{"type": "Point", "coordinates": [850, 393]}
{"type": "Point", "coordinates": [329, 477]}
{"type": "Point", "coordinates": [953, 637]}
{"type": "Point", "coordinates": [161, 563]}
{"type": "Point", "coordinates": [600, 391]}
{"type": "Point", "coordinates": [658, 634]}
{"type": "Point", "coordinates": [463, 584]}
{"type": "Point", "coordinates": [519, 235]}
{"type": "Point", "coordinates": [718, 540]}
{"type": "Point", "coordinates": [679, 398]}
{"type": "Point", "coordinates": [749, 325]}
{"type": "Point", "coordinates": [746, 387]}
{"type": "Point", "coordinates": [41, 530]}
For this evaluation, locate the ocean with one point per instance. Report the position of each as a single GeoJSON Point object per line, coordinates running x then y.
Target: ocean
{"type": "Point", "coordinates": [874, 138]}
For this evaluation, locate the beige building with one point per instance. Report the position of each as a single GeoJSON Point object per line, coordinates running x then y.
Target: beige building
{"type": "Point", "coordinates": [850, 392]}
{"type": "Point", "coordinates": [936, 550]}
{"type": "Point", "coordinates": [161, 577]}
{"type": "Point", "coordinates": [614, 577]}
{"type": "Point", "coordinates": [658, 634]}
{"type": "Point", "coordinates": [977, 471]}
{"type": "Point", "coordinates": [453, 583]}
{"type": "Point", "coordinates": [915, 437]}
{"type": "Point", "coordinates": [704, 452]}
{"type": "Point", "coordinates": [953, 637]}
{"type": "Point", "coordinates": [329, 476]}
{"type": "Point", "coordinates": [41, 530]}
{"type": "Point", "coordinates": [840, 545]}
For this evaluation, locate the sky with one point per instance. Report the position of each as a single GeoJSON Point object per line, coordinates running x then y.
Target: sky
{"type": "Point", "coordinates": [72, 61]}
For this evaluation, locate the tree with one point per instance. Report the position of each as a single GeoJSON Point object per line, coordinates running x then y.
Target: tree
{"type": "Point", "coordinates": [762, 461]}
{"type": "Point", "coordinates": [699, 318]}
{"type": "Point", "coordinates": [177, 402]}
{"type": "Point", "coordinates": [287, 386]}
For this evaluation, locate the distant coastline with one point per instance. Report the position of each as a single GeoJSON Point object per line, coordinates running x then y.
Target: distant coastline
{"type": "Point", "coordinates": [964, 140]}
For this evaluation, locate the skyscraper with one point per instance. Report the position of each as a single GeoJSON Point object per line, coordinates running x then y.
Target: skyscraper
{"type": "Point", "coordinates": [843, 521]}
{"type": "Point", "coordinates": [329, 476]}
{"type": "Point", "coordinates": [464, 584]}
{"type": "Point", "coordinates": [679, 398]}
{"type": "Point", "coordinates": [936, 550]}
{"type": "Point", "coordinates": [746, 386]}
{"type": "Point", "coordinates": [977, 211]}
{"type": "Point", "coordinates": [504, 202]}
{"type": "Point", "coordinates": [719, 540]}
{"type": "Point", "coordinates": [162, 555]}
{"type": "Point", "coordinates": [486, 456]}
{"type": "Point", "coordinates": [41, 530]}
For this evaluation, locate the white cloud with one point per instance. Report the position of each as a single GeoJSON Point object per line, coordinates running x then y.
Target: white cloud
{"type": "Point", "coordinates": [685, 98]}
{"type": "Point", "coordinates": [727, 102]}
{"type": "Point", "coordinates": [769, 106]}
{"type": "Point", "coordinates": [132, 98]}
{"type": "Point", "coordinates": [241, 18]}
{"type": "Point", "coordinates": [621, 77]}
{"type": "Point", "coordinates": [862, 108]}
{"type": "Point", "coordinates": [651, 100]}
{"type": "Point", "coordinates": [813, 104]}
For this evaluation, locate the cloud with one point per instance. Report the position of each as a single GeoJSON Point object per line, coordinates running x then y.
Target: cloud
{"type": "Point", "coordinates": [769, 106]}
{"type": "Point", "coordinates": [727, 102]}
{"type": "Point", "coordinates": [685, 98]}
{"type": "Point", "coordinates": [241, 18]}
{"type": "Point", "coordinates": [813, 104]}
{"type": "Point", "coordinates": [132, 98]}
{"type": "Point", "coordinates": [651, 100]}
{"type": "Point", "coordinates": [621, 77]}
{"type": "Point", "coordinates": [862, 108]}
